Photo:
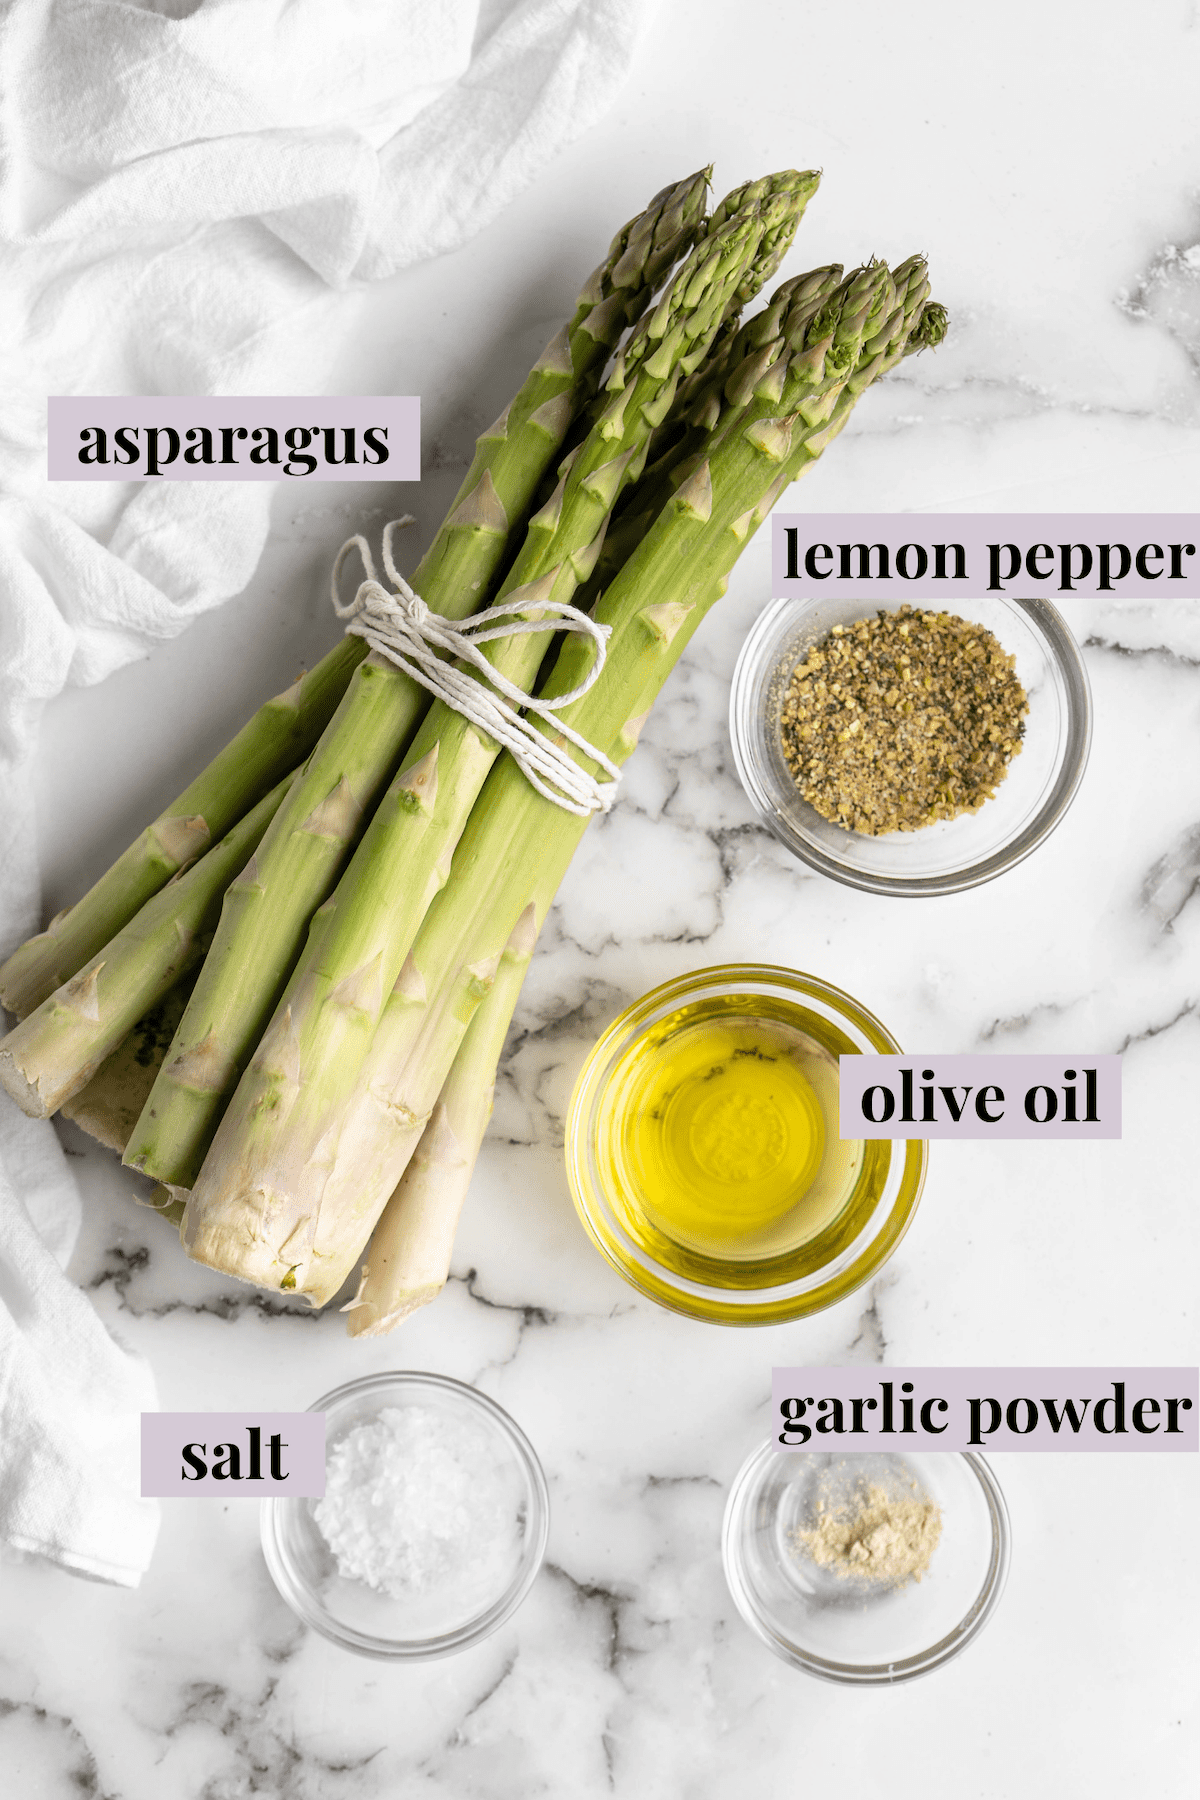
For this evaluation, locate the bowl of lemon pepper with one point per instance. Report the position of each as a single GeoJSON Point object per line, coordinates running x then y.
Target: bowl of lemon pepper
{"type": "Point", "coordinates": [906, 751]}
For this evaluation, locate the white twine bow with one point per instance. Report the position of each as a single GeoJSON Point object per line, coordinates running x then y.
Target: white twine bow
{"type": "Point", "coordinates": [401, 627]}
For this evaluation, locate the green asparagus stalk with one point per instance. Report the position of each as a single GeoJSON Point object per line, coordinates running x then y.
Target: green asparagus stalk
{"type": "Point", "coordinates": [261, 932]}
{"type": "Point", "coordinates": [411, 1245]}
{"type": "Point", "coordinates": [280, 735]}
{"type": "Point", "coordinates": [54, 1052]}
{"type": "Point", "coordinates": [513, 848]}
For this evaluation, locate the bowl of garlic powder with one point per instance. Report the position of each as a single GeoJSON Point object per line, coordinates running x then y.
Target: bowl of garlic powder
{"type": "Point", "coordinates": [432, 1526]}
{"type": "Point", "coordinates": [911, 751]}
{"type": "Point", "coordinates": [870, 1568]}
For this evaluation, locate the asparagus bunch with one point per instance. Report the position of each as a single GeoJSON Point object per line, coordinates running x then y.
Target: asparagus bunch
{"type": "Point", "coordinates": [364, 1100]}
{"type": "Point", "coordinates": [270, 1139]}
{"type": "Point", "coordinates": [308, 1236]}
{"type": "Point", "coordinates": [345, 782]}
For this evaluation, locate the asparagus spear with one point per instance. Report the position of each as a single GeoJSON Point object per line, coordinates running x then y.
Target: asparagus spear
{"type": "Point", "coordinates": [280, 735]}
{"type": "Point", "coordinates": [261, 932]}
{"type": "Point", "coordinates": [293, 1234]}
{"type": "Point", "coordinates": [411, 1245]}
{"type": "Point", "coordinates": [54, 1052]}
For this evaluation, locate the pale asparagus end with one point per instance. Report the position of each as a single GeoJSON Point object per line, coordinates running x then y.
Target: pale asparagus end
{"type": "Point", "coordinates": [233, 1242]}
{"type": "Point", "coordinates": [408, 1259]}
{"type": "Point", "coordinates": [362, 1159]}
{"type": "Point", "coordinates": [18, 1087]}
{"type": "Point", "coordinates": [410, 1251]}
{"type": "Point", "coordinates": [364, 1323]}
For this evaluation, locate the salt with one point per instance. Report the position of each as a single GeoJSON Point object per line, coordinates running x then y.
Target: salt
{"type": "Point", "coordinates": [415, 1499]}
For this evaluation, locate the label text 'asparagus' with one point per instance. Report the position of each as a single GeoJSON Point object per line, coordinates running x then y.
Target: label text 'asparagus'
{"type": "Point", "coordinates": [351, 438]}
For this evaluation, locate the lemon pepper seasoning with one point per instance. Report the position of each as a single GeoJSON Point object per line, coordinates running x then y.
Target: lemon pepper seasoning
{"type": "Point", "coordinates": [896, 721]}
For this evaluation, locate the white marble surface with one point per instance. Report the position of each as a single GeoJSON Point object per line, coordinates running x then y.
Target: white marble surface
{"type": "Point", "coordinates": [1045, 158]}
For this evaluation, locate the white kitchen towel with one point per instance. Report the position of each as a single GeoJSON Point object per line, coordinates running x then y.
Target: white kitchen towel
{"type": "Point", "coordinates": [70, 1396]}
{"type": "Point", "coordinates": [189, 189]}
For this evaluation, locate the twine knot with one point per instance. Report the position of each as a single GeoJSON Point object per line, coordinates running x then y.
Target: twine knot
{"type": "Point", "coordinates": [401, 627]}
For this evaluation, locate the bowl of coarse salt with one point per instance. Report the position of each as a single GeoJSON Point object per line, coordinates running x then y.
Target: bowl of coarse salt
{"type": "Point", "coordinates": [432, 1527]}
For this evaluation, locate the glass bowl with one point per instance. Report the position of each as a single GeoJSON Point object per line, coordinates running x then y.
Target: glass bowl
{"type": "Point", "coordinates": [842, 1629]}
{"type": "Point", "coordinates": [953, 854]}
{"type": "Point", "coordinates": [426, 1623]}
{"type": "Point", "coordinates": [795, 1268]}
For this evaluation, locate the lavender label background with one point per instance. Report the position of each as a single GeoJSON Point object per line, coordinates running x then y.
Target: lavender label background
{"type": "Point", "coordinates": [1014, 1075]}
{"type": "Point", "coordinates": [975, 531]}
{"type": "Point", "coordinates": [958, 1387]}
{"type": "Point", "coordinates": [400, 414]}
{"type": "Point", "coordinates": [164, 1435]}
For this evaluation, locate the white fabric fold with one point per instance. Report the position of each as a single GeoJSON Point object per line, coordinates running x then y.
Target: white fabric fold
{"type": "Point", "coordinates": [70, 1397]}
{"type": "Point", "coordinates": [187, 190]}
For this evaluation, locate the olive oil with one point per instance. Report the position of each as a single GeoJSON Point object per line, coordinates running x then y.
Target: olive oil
{"type": "Point", "coordinates": [720, 1125]}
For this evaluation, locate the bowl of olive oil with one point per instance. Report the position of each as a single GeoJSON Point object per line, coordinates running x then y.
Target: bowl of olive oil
{"type": "Point", "coordinates": [703, 1150]}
